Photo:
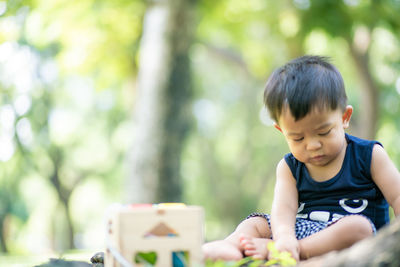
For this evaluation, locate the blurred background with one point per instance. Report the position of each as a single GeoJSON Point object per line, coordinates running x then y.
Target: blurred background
{"type": "Point", "coordinates": [132, 101]}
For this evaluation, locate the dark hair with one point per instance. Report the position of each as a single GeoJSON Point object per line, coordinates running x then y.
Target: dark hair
{"type": "Point", "coordinates": [303, 84]}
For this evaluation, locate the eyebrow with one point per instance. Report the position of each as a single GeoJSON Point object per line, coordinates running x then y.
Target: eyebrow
{"type": "Point", "coordinates": [324, 126]}
{"type": "Point", "coordinates": [294, 134]}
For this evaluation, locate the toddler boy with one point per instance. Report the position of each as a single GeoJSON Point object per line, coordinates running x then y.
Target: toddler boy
{"type": "Point", "coordinates": [333, 189]}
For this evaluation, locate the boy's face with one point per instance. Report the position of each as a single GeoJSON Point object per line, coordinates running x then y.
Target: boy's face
{"type": "Point", "coordinates": [318, 138]}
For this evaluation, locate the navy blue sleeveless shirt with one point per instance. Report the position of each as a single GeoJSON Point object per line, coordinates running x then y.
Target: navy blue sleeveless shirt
{"type": "Point", "coordinates": [351, 191]}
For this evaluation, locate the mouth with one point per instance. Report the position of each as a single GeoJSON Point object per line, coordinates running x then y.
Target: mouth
{"type": "Point", "coordinates": [317, 158]}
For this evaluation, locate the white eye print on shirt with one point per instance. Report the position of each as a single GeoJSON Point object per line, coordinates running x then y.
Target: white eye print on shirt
{"type": "Point", "coordinates": [359, 209]}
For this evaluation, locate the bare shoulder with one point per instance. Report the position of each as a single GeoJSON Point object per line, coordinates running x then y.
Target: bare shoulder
{"type": "Point", "coordinates": [380, 157]}
{"type": "Point", "coordinates": [282, 164]}
{"type": "Point", "coordinates": [283, 168]}
{"type": "Point", "coordinates": [283, 172]}
{"type": "Point", "coordinates": [379, 151]}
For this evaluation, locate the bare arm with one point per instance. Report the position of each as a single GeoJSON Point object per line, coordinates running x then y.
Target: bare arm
{"type": "Point", "coordinates": [284, 210]}
{"type": "Point", "coordinates": [387, 177]}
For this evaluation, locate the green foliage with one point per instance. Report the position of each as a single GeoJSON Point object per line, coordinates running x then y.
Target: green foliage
{"type": "Point", "coordinates": [279, 258]}
{"type": "Point", "coordinates": [276, 258]}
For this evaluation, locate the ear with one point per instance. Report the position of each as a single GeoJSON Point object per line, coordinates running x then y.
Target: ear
{"type": "Point", "coordinates": [277, 127]}
{"type": "Point", "coordinates": [346, 116]}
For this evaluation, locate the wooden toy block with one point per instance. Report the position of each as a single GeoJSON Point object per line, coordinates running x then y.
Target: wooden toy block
{"type": "Point", "coordinates": [165, 235]}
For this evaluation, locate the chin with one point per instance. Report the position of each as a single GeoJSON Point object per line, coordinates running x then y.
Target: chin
{"type": "Point", "coordinates": [319, 163]}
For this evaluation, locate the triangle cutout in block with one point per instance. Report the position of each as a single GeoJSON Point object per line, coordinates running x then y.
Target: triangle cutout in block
{"type": "Point", "coordinates": [161, 229]}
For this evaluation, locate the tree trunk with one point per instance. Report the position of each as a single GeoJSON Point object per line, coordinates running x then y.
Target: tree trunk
{"type": "Point", "coordinates": [70, 232]}
{"type": "Point", "coordinates": [162, 102]}
{"type": "Point", "coordinates": [381, 250]}
{"type": "Point", "coordinates": [367, 125]}
{"type": "Point", "coordinates": [63, 194]}
{"type": "Point", "coordinates": [3, 243]}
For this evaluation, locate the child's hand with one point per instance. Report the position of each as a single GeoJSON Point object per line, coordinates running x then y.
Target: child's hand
{"type": "Point", "coordinates": [289, 244]}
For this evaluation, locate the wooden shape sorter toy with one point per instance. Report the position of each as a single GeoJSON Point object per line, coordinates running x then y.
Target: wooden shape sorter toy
{"type": "Point", "coordinates": [161, 235]}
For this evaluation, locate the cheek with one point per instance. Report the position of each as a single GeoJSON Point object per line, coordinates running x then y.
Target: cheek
{"type": "Point", "coordinates": [296, 150]}
{"type": "Point", "coordinates": [333, 145]}
{"type": "Point", "coordinates": [291, 145]}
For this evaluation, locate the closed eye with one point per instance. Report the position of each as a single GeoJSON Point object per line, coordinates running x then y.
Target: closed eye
{"type": "Point", "coordinates": [325, 133]}
{"type": "Point", "coordinates": [298, 139]}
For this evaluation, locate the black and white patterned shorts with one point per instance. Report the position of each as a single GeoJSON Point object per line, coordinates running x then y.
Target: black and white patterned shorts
{"type": "Point", "coordinates": [305, 227]}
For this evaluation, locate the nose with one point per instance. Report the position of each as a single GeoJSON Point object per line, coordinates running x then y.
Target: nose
{"type": "Point", "coordinates": [313, 144]}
